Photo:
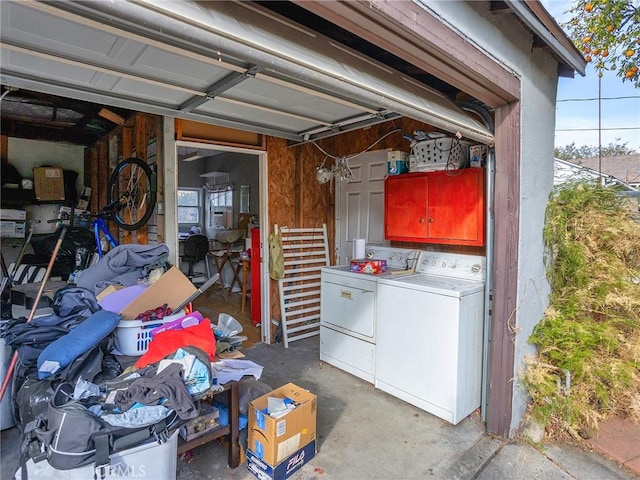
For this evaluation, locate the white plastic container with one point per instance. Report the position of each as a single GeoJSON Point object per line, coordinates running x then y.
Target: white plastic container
{"type": "Point", "coordinates": [150, 460]}
{"type": "Point", "coordinates": [133, 336]}
{"type": "Point", "coordinates": [439, 154]}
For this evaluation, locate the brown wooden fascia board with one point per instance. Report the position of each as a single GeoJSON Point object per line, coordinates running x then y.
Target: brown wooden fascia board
{"type": "Point", "coordinates": [413, 34]}
{"type": "Point", "coordinates": [550, 24]}
{"type": "Point", "coordinates": [499, 7]}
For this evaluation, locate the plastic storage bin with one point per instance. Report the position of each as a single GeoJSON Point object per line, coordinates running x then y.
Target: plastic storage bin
{"type": "Point", "coordinates": [133, 336]}
{"type": "Point", "coordinates": [150, 460]}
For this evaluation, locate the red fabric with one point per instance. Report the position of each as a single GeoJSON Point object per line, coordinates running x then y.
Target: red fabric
{"type": "Point", "coordinates": [165, 343]}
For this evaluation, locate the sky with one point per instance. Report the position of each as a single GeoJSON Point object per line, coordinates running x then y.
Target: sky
{"type": "Point", "coordinates": [616, 115]}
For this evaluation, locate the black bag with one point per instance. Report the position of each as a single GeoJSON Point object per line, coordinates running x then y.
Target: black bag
{"type": "Point", "coordinates": [71, 306]}
{"type": "Point", "coordinates": [75, 437]}
{"type": "Point", "coordinates": [32, 395]}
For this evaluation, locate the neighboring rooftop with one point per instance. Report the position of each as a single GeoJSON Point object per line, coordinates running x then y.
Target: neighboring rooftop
{"type": "Point", "coordinates": [565, 171]}
{"type": "Point", "coordinates": [625, 168]}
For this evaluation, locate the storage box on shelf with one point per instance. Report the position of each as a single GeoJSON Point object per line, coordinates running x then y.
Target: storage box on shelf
{"type": "Point", "coordinates": [13, 214]}
{"type": "Point", "coordinates": [48, 183]}
{"type": "Point", "coordinates": [12, 229]}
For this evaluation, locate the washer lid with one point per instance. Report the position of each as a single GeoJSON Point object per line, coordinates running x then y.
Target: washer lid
{"type": "Point", "coordinates": [453, 287]}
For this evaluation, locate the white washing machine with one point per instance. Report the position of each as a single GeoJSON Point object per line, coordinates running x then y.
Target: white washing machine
{"type": "Point", "coordinates": [430, 334]}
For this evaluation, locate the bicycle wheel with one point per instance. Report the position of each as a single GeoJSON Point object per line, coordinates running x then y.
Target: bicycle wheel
{"type": "Point", "coordinates": [133, 186]}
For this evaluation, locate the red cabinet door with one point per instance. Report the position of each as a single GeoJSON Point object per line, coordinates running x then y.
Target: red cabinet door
{"type": "Point", "coordinates": [405, 212]}
{"type": "Point", "coordinates": [456, 206]}
{"type": "Point", "coordinates": [445, 207]}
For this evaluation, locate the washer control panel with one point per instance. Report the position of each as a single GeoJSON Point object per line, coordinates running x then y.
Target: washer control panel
{"type": "Point", "coordinates": [455, 265]}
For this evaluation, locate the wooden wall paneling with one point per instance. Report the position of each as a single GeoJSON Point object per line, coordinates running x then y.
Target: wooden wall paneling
{"type": "Point", "coordinates": [281, 202]}
{"type": "Point", "coordinates": [140, 135]}
{"type": "Point", "coordinates": [316, 200]}
{"type": "Point", "coordinates": [103, 177]}
{"type": "Point", "coordinates": [298, 192]}
{"type": "Point", "coordinates": [154, 157]}
{"type": "Point", "coordinates": [140, 236]}
{"type": "Point", "coordinates": [92, 175]}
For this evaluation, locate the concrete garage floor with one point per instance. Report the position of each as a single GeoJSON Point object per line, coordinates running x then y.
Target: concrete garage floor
{"type": "Point", "coordinates": [366, 434]}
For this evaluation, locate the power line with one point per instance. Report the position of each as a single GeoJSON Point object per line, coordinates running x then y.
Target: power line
{"type": "Point", "coordinates": [594, 129]}
{"type": "Point", "coordinates": [596, 98]}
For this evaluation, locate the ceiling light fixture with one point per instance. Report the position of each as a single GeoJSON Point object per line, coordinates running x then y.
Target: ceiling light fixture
{"type": "Point", "coordinates": [190, 157]}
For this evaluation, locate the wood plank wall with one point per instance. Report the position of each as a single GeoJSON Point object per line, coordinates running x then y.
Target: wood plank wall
{"type": "Point", "coordinates": [297, 200]}
{"type": "Point", "coordinates": [140, 137]}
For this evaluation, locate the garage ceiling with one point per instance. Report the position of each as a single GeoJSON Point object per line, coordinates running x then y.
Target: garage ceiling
{"type": "Point", "coordinates": [234, 64]}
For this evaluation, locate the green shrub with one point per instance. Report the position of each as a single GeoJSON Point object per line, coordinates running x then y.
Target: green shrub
{"type": "Point", "coordinates": [591, 329]}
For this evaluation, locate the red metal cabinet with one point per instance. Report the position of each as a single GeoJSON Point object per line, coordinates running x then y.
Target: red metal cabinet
{"type": "Point", "coordinates": [445, 207]}
{"type": "Point", "coordinates": [256, 315]}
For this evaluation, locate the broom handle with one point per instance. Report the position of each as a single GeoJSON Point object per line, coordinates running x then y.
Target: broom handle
{"type": "Point", "coordinates": [14, 359]}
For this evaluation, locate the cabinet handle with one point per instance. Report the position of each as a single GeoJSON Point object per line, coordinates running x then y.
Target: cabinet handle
{"type": "Point", "coordinates": [430, 220]}
{"type": "Point", "coordinates": [421, 220]}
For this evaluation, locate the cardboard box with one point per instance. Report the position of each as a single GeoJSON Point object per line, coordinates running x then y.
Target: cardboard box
{"type": "Point", "coordinates": [284, 469]}
{"type": "Point", "coordinates": [12, 229]}
{"type": "Point", "coordinates": [48, 183]}
{"type": "Point", "coordinates": [274, 439]}
{"type": "Point", "coordinates": [172, 288]}
{"type": "Point", "coordinates": [108, 291]}
{"type": "Point", "coordinates": [368, 266]}
{"type": "Point", "coordinates": [12, 214]}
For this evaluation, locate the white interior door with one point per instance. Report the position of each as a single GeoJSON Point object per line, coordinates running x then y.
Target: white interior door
{"type": "Point", "coordinates": [360, 204]}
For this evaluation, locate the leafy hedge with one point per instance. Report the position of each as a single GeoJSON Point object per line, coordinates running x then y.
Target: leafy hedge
{"type": "Point", "coordinates": [591, 330]}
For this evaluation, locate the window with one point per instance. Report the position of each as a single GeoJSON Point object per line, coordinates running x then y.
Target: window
{"type": "Point", "coordinates": [221, 196]}
{"type": "Point", "coordinates": [189, 206]}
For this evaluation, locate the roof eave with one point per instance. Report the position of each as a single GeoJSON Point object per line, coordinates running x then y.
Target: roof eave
{"type": "Point", "coordinates": [533, 14]}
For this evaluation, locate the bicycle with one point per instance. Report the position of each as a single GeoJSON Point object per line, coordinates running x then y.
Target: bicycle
{"type": "Point", "coordinates": [132, 192]}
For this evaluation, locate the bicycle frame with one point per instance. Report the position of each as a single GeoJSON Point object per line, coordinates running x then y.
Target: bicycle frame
{"type": "Point", "coordinates": [100, 225]}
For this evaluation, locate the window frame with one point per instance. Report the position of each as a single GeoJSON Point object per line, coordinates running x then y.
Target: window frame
{"type": "Point", "coordinates": [198, 207]}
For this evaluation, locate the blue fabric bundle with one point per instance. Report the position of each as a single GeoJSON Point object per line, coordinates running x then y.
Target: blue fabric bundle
{"type": "Point", "coordinates": [81, 339]}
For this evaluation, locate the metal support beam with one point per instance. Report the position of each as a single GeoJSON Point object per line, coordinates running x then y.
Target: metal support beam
{"type": "Point", "coordinates": [219, 87]}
